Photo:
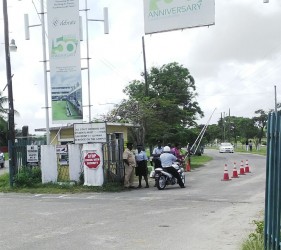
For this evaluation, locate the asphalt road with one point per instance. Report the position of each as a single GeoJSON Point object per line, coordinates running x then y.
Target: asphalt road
{"type": "Point", "coordinates": [209, 214]}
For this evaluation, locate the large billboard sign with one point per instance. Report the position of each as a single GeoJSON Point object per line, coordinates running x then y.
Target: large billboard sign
{"type": "Point", "coordinates": [65, 64]}
{"type": "Point", "coordinates": [166, 15]}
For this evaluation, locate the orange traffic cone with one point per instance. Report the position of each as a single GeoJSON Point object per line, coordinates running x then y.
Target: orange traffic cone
{"type": "Point", "coordinates": [234, 173]}
{"type": "Point", "coordinates": [247, 167]}
{"type": "Point", "coordinates": [225, 175]}
{"type": "Point", "coordinates": [187, 169]}
{"type": "Point", "coordinates": [242, 170]}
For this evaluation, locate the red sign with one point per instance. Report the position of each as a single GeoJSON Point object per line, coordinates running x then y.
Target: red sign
{"type": "Point", "coordinates": [92, 160]}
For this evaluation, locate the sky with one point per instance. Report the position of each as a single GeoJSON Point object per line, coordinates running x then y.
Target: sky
{"type": "Point", "coordinates": [235, 63]}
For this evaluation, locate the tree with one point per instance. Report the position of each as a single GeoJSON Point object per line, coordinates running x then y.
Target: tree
{"type": "Point", "coordinates": [212, 133]}
{"type": "Point", "coordinates": [3, 120]}
{"type": "Point", "coordinates": [260, 122]}
{"type": "Point", "coordinates": [168, 109]}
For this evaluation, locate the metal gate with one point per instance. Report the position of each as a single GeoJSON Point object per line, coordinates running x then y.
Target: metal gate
{"type": "Point", "coordinates": [273, 184]}
{"type": "Point", "coordinates": [113, 159]}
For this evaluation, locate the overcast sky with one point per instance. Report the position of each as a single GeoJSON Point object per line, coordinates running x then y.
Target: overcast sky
{"type": "Point", "coordinates": [236, 63]}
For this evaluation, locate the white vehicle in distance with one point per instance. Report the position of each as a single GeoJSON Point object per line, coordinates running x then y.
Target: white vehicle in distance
{"type": "Point", "coordinates": [226, 147]}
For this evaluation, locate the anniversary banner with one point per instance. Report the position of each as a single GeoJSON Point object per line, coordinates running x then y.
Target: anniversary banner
{"type": "Point", "coordinates": [167, 15]}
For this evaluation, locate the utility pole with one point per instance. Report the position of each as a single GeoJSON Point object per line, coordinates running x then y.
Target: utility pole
{"type": "Point", "coordinates": [11, 122]}
{"type": "Point", "coordinates": [144, 64]}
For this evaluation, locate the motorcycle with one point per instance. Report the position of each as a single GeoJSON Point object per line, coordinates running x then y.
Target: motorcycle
{"type": "Point", "coordinates": [163, 178]}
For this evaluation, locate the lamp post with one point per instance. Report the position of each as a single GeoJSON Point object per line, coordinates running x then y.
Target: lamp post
{"type": "Point", "coordinates": [105, 20]}
{"type": "Point", "coordinates": [11, 121]}
{"type": "Point", "coordinates": [27, 37]}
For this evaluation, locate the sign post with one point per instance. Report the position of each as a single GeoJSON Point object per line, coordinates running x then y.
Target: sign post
{"type": "Point", "coordinates": [32, 154]}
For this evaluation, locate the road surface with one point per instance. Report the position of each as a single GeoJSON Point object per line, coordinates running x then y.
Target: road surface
{"type": "Point", "coordinates": [210, 214]}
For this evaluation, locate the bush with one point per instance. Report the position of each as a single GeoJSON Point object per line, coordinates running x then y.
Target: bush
{"type": "Point", "coordinates": [28, 177]}
{"type": "Point", "coordinates": [256, 239]}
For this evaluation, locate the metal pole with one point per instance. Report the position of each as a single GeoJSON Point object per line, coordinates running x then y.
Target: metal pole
{"type": "Point", "coordinates": [11, 122]}
{"type": "Point", "coordinates": [45, 73]}
{"type": "Point", "coordinates": [88, 60]}
{"type": "Point", "coordinates": [145, 72]}
{"type": "Point", "coordinates": [275, 94]}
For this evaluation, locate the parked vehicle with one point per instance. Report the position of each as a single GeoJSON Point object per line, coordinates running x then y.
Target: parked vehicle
{"type": "Point", "coordinates": [2, 160]}
{"type": "Point", "coordinates": [226, 147]}
{"type": "Point", "coordinates": [163, 178]}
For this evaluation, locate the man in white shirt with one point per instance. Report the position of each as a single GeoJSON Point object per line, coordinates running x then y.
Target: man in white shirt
{"type": "Point", "coordinates": [167, 159]}
{"type": "Point", "coordinates": [156, 155]}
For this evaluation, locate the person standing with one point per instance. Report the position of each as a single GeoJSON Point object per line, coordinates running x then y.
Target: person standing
{"type": "Point", "coordinates": [156, 155]}
{"type": "Point", "coordinates": [176, 151]}
{"type": "Point", "coordinates": [141, 167]}
{"type": "Point", "coordinates": [250, 145]}
{"type": "Point", "coordinates": [129, 164]}
{"type": "Point", "coordinates": [247, 145]}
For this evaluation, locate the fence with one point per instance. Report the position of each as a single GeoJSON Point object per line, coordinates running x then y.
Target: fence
{"type": "Point", "coordinates": [273, 184]}
{"type": "Point", "coordinates": [112, 154]}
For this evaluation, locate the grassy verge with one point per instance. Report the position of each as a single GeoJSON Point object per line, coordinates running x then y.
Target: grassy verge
{"type": "Point", "coordinates": [199, 161]}
{"type": "Point", "coordinates": [56, 188]}
{"type": "Point", "coordinates": [242, 149]}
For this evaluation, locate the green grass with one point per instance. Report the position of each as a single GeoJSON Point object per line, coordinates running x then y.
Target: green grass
{"type": "Point", "coordinates": [199, 161]}
{"type": "Point", "coordinates": [56, 188]}
{"type": "Point", "coordinates": [242, 149]}
{"type": "Point", "coordinates": [262, 150]}
{"type": "Point", "coordinates": [255, 240]}
{"type": "Point", "coordinates": [59, 111]}
{"type": "Point", "coordinates": [253, 244]}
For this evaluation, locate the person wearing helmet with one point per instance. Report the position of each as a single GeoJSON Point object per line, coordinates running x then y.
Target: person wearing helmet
{"type": "Point", "coordinates": [167, 159]}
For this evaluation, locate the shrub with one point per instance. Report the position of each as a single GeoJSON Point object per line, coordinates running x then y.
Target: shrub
{"type": "Point", "coordinates": [256, 239]}
{"type": "Point", "coordinates": [28, 177]}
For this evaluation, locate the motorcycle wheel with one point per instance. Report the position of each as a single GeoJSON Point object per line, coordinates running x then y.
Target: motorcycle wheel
{"type": "Point", "coordinates": [183, 178]}
{"type": "Point", "coordinates": [161, 182]}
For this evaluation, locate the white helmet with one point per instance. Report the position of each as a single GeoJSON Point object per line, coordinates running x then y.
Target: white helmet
{"type": "Point", "coordinates": [166, 149]}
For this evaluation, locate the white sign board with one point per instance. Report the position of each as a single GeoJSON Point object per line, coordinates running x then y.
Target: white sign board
{"type": "Point", "coordinates": [166, 15]}
{"type": "Point", "coordinates": [89, 133]}
{"type": "Point", "coordinates": [61, 149]}
{"type": "Point", "coordinates": [32, 153]}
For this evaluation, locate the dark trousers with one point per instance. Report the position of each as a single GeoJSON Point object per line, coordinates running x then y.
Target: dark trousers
{"type": "Point", "coordinates": [157, 163]}
{"type": "Point", "coordinates": [175, 173]}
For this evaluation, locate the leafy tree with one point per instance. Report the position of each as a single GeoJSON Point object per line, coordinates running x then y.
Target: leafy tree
{"type": "Point", "coordinates": [260, 121]}
{"type": "Point", "coordinates": [3, 120]}
{"type": "Point", "coordinates": [168, 109]}
{"type": "Point", "coordinates": [212, 133]}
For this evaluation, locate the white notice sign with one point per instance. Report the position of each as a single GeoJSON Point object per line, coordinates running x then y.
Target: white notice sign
{"type": "Point", "coordinates": [89, 133]}
{"type": "Point", "coordinates": [32, 153]}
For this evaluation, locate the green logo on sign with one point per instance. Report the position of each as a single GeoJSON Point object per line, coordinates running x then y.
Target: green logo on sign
{"type": "Point", "coordinates": [64, 46]}
{"type": "Point", "coordinates": [154, 4]}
